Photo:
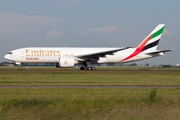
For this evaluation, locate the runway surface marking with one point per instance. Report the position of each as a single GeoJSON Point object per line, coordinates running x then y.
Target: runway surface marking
{"type": "Point", "coordinates": [137, 87]}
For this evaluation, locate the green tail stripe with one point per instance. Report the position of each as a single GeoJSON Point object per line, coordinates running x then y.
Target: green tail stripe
{"type": "Point", "coordinates": [157, 33]}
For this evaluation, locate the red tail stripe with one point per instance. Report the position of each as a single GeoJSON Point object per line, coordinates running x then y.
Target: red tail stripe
{"type": "Point", "coordinates": [138, 49]}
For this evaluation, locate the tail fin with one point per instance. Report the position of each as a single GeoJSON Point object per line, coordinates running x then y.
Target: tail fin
{"type": "Point", "coordinates": [150, 43]}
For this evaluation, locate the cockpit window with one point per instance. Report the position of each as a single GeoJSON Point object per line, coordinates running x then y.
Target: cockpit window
{"type": "Point", "coordinates": [10, 53]}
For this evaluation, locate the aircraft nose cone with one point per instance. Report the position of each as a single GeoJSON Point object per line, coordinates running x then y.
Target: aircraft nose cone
{"type": "Point", "coordinates": [6, 56]}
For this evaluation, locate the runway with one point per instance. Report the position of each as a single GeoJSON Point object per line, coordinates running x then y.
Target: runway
{"type": "Point", "coordinates": [103, 87]}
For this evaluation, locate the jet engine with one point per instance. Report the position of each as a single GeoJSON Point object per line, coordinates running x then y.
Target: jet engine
{"type": "Point", "coordinates": [66, 61]}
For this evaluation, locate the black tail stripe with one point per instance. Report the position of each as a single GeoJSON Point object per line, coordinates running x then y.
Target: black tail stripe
{"type": "Point", "coordinates": [151, 45]}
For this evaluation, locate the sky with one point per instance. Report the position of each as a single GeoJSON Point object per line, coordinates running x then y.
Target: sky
{"type": "Point", "coordinates": [89, 23]}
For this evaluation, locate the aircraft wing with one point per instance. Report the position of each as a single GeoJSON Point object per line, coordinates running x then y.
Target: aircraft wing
{"type": "Point", "coordinates": [158, 51]}
{"type": "Point", "coordinates": [95, 56]}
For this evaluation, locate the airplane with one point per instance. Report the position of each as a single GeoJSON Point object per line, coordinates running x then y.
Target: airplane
{"type": "Point", "coordinates": [66, 57]}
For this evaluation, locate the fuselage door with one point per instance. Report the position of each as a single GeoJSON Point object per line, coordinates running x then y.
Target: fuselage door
{"type": "Point", "coordinates": [22, 53]}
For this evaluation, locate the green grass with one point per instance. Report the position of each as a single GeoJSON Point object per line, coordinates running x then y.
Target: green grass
{"type": "Point", "coordinates": [90, 104]}
{"type": "Point", "coordinates": [102, 76]}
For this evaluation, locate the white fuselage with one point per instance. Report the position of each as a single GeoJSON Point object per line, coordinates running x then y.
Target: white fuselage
{"type": "Point", "coordinates": [52, 54]}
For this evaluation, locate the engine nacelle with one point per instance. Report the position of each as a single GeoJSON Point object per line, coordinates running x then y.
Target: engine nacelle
{"type": "Point", "coordinates": [66, 61]}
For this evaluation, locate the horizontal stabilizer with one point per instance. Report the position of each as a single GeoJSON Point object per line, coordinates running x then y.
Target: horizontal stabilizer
{"type": "Point", "coordinates": [158, 51]}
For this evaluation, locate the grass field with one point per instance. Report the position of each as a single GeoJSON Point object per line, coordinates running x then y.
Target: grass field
{"type": "Point", "coordinates": [89, 103]}
{"type": "Point", "coordinates": [132, 104]}
{"type": "Point", "coordinates": [102, 76]}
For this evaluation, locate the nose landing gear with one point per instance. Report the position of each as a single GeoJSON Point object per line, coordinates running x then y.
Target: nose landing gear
{"type": "Point", "coordinates": [20, 68]}
{"type": "Point", "coordinates": [19, 64]}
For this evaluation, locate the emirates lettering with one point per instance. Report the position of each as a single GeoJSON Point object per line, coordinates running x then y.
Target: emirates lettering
{"type": "Point", "coordinates": [43, 52]}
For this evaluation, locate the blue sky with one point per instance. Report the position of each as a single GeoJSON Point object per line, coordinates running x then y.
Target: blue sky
{"type": "Point", "coordinates": [89, 23]}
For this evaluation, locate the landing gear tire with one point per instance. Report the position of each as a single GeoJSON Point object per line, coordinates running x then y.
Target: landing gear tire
{"type": "Point", "coordinates": [89, 68]}
{"type": "Point", "coordinates": [20, 68]}
{"type": "Point", "coordinates": [81, 68]}
{"type": "Point", "coordinates": [93, 68]}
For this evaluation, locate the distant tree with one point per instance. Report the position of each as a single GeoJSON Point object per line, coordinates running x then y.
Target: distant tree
{"type": "Point", "coordinates": [111, 64]}
{"type": "Point", "coordinates": [166, 66]}
{"type": "Point", "coordinates": [133, 64]}
{"type": "Point", "coordinates": [7, 64]}
{"type": "Point", "coordinates": [147, 64]}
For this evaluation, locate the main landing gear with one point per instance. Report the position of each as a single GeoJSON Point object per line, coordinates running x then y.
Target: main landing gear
{"type": "Point", "coordinates": [87, 68]}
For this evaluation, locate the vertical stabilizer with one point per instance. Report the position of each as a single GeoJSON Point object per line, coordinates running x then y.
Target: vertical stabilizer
{"type": "Point", "coordinates": [150, 43]}
{"type": "Point", "coordinates": [154, 37]}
